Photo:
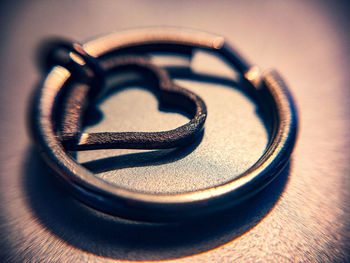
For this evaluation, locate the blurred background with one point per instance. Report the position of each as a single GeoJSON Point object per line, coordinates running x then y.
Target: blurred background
{"type": "Point", "coordinates": [302, 216]}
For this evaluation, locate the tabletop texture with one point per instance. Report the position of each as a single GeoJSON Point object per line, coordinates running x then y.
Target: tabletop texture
{"type": "Point", "coordinates": [302, 216]}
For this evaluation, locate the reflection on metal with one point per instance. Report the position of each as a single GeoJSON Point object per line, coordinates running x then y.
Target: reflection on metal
{"type": "Point", "coordinates": [253, 75]}
{"type": "Point", "coordinates": [59, 107]}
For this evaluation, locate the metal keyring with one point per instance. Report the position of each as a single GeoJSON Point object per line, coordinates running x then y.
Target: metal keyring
{"type": "Point", "coordinates": [268, 89]}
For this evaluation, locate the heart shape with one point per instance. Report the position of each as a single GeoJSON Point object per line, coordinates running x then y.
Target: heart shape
{"type": "Point", "coordinates": [78, 99]}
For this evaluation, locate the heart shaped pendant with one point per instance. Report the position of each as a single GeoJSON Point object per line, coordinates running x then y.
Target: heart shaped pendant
{"type": "Point", "coordinates": [88, 78]}
{"type": "Point", "coordinates": [169, 95]}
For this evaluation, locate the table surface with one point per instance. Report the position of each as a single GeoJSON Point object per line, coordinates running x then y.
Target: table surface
{"type": "Point", "coordinates": [302, 216]}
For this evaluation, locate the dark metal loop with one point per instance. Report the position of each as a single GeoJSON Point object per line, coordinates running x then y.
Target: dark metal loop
{"type": "Point", "coordinates": [71, 55]}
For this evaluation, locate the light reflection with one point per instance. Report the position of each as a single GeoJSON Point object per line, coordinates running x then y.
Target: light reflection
{"type": "Point", "coordinates": [76, 58]}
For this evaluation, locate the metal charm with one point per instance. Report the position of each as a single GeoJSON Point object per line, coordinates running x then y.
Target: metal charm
{"type": "Point", "coordinates": [89, 71]}
{"type": "Point", "coordinates": [57, 122]}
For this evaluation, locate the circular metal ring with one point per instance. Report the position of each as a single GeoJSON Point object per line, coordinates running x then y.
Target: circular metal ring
{"type": "Point", "coordinates": [268, 89]}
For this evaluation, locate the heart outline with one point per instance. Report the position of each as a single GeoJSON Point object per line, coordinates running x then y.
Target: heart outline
{"type": "Point", "coordinates": [169, 94]}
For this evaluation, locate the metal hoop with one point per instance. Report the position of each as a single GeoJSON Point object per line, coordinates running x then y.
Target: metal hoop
{"type": "Point", "coordinates": [269, 91]}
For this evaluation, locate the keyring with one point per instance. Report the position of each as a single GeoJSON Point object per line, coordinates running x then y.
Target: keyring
{"type": "Point", "coordinates": [268, 90]}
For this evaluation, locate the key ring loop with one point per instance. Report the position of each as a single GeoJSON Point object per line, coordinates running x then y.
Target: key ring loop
{"type": "Point", "coordinates": [270, 92]}
{"type": "Point", "coordinates": [79, 61]}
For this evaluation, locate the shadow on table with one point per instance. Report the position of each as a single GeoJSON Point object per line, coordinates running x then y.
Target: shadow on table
{"type": "Point", "coordinates": [111, 237]}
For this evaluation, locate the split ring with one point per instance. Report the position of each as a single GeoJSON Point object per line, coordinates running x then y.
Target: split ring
{"type": "Point", "coordinates": [268, 90]}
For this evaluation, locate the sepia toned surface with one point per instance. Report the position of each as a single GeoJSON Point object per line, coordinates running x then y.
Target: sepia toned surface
{"type": "Point", "coordinates": [302, 216]}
